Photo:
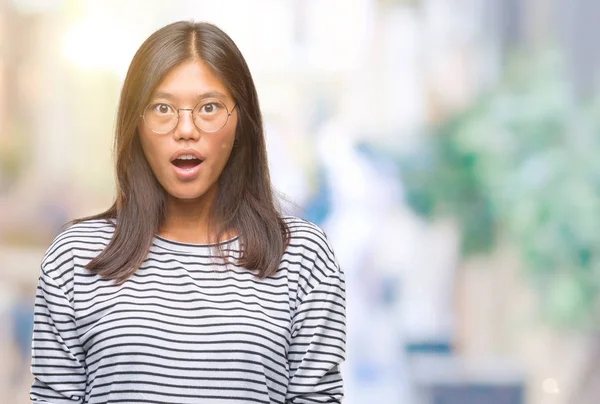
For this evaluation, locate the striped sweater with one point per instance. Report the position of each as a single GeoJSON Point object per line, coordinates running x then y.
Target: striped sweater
{"type": "Point", "coordinates": [187, 327]}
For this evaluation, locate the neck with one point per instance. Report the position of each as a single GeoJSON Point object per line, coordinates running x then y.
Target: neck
{"type": "Point", "coordinates": [187, 221]}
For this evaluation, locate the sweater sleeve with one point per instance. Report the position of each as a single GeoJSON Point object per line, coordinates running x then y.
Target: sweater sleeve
{"type": "Point", "coordinates": [318, 336]}
{"type": "Point", "coordinates": [58, 358]}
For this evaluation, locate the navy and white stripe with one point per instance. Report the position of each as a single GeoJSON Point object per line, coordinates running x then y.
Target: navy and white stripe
{"type": "Point", "coordinates": [188, 327]}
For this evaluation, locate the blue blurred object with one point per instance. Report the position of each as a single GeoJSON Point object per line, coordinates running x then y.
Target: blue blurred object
{"type": "Point", "coordinates": [477, 394]}
{"type": "Point", "coordinates": [22, 319]}
{"type": "Point", "coordinates": [432, 347]}
{"type": "Point", "coordinates": [449, 379]}
{"type": "Point", "coordinates": [318, 207]}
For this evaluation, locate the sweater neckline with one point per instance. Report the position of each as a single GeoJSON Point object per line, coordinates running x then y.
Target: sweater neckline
{"type": "Point", "coordinates": [191, 247]}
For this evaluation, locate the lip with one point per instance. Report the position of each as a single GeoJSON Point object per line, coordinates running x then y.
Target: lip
{"type": "Point", "coordinates": [182, 152]}
{"type": "Point", "coordinates": [186, 173]}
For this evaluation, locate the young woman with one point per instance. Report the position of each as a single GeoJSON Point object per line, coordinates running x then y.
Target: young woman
{"type": "Point", "coordinates": [191, 288]}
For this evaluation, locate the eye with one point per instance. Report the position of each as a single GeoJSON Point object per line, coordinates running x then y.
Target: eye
{"type": "Point", "coordinates": [209, 108]}
{"type": "Point", "coordinates": [163, 109]}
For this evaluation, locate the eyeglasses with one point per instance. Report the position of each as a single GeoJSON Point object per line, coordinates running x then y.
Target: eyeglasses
{"type": "Point", "coordinates": [209, 115]}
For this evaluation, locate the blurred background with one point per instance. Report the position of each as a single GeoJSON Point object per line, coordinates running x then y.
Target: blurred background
{"type": "Point", "coordinates": [449, 148]}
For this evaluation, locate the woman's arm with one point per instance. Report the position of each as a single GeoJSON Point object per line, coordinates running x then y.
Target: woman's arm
{"type": "Point", "coordinates": [319, 336]}
{"type": "Point", "coordinates": [58, 358]}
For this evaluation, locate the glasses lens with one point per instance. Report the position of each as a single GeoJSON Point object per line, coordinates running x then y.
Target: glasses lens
{"type": "Point", "coordinates": [160, 117]}
{"type": "Point", "coordinates": [210, 115]}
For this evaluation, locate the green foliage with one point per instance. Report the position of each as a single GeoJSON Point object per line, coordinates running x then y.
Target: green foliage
{"type": "Point", "coordinates": [523, 162]}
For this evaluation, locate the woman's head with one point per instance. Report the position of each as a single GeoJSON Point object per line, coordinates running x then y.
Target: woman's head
{"type": "Point", "coordinates": [179, 67]}
{"type": "Point", "coordinates": [179, 83]}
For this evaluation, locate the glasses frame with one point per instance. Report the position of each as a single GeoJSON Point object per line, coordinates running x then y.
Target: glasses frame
{"type": "Point", "coordinates": [143, 116]}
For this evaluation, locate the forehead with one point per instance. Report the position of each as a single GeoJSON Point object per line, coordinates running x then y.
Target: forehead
{"type": "Point", "coordinates": [191, 80]}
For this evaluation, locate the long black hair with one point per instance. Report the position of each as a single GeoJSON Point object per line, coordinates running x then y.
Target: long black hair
{"type": "Point", "coordinates": [244, 201]}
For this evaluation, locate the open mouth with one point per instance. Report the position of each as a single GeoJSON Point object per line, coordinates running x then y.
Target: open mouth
{"type": "Point", "coordinates": [186, 163]}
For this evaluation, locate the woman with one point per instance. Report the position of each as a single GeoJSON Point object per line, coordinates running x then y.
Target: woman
{"type": "Point", "coordinates": [191, 288]}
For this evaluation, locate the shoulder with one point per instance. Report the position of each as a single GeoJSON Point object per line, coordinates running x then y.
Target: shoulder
{"type": "Point", "coordinates": [310, 251]}
{"type": "Point", "coordinates": [310, 241]}
{"type": "Point", "coordinates": [305, 232]}
{"type": "Point", "coordinates": [304, 229]}
{"type": "Point", "coordinates": [85, 238]}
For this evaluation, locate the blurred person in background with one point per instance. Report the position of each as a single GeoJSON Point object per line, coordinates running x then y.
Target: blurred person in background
{"type": "Point", "coordinates": [192, 287]}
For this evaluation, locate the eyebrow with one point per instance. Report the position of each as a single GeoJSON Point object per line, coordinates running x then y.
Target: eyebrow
{"type": "Point", "coordinates": [208, 94]}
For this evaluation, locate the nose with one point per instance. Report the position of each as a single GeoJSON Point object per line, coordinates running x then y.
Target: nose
{"type": "Point", "coordinates": [186, 129]}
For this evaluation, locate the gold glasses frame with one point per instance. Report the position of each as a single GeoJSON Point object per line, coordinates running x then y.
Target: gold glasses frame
{"type": "Point", "coordinates": [143, 115]}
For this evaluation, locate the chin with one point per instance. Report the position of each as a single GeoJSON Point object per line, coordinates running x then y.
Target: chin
{"type": "Point", "coordinates": [190, 193]}
{"type": "Point", "coordinates": [186, 195]}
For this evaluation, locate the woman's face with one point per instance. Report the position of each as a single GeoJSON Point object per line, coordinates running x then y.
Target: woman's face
{"type": "Point", "coordinates": [186, 160]}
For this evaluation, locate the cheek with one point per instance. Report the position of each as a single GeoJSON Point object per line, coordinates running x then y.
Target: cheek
{"type": "Point", "coordinates": [149, 148]}
{"type": "Point", "coordinates": [222, 150]}
{"type": "Point", "coordinates": [225, 143]}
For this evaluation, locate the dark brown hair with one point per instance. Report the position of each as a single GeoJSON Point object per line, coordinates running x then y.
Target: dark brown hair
{"type": "Point", "coordinates": [244, 202]}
